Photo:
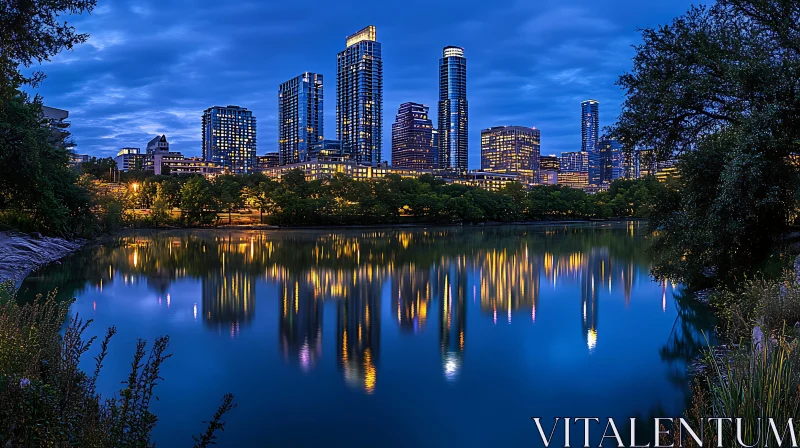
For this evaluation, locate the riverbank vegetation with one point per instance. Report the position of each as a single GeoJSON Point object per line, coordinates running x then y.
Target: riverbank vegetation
{"type": "Point", "coordinates": [45, 397]}
{"type": "Point", "coordinates": [47, 400]}
{"type": "Point", "coordinates": [717, 88]}
{"type": "Point", "coordinates": [340, 200]}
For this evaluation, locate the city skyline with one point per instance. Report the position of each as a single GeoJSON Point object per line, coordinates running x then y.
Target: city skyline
{"type": "Point", "coordinates": [117, 100]}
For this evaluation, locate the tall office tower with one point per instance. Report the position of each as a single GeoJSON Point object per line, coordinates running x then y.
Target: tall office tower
{"type": "Point", "coordinates": [412, 135]}
{"type": "Point", "coordinates": [299, 117]}
{"type": "Point", "coordinates": [590, 124]}
{"type": "Point", "coordinates": [630, 163]}
{"type": "Point", "coordinates": [453, 148]}
{"type": "Point", "coordinates": [359, 97]}
{"type": "Point", "coordinates": [229, 138]}
{"type": "Point", "coordinates": [511, 150]}
{"type": "Point", "coordinates": [605, 163]}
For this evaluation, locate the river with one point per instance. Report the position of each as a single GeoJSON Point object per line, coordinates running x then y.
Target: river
{"type": "Point", "coordinates": [439, 336]}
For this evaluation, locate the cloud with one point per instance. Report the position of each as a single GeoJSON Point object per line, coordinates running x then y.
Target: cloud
{"type": "Point", "coordinates": [153, 67]}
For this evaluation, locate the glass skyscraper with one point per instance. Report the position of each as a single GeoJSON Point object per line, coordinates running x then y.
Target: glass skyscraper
{"type": "Point", "coordinates": [229, 138]}
{"type": "Point", "coordinates": [412, 138]}
{"type": "Point", "coordinates": [453, 148]}
{"type": "Point", "coordinates": [299, 117]}
{"type": "Point", "coordinates": [605, 163]}
{"type": "Point", "coordinates": [359, 97]}
{"type": "Point", "coordinates": [590, 124]}
{"type": "Point", "coordinates": [511, 150]}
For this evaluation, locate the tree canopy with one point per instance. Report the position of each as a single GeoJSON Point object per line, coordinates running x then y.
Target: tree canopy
{"type": "Point", "coordinates": [720, 87]}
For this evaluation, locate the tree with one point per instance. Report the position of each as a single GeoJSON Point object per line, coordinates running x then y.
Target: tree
{"type": "Point", "coordinates": [36, 182]}
{"type": "Point", "coordinates": [260, 197]}
{"type": "Point", "coordinates": [718, 86]}
{"type": "Point", "coordinates": [229, 193]}
{"type": "Point", "coordinates": [33, 32]}
{"type": "Point", "coordinates": [197, 202]}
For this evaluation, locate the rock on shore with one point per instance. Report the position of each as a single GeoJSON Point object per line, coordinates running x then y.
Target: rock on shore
{"type": "Point", "coordinates": [21, 254]}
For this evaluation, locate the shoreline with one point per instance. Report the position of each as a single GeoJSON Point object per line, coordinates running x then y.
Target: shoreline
{"type": "Point", "coordinates": [388, 225]}
{"type": "Point", "coordinates": [21, 253]}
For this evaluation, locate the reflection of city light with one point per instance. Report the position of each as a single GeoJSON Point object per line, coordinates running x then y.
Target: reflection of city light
{"type": "Point", "coordinates": [168, 300]}
{"type": "Point", "coordinates": [591, 339]}
{"type": "Point", "coordinates": [533, 314]}
{"type": "Point", "coordinates": [305, 357]}
{"type": "Point", "coordinates": [194, 311]}
{"type": "Point", "coordinates": [452, 365]}
{"type": "Point", "coordinates": [94, 305]}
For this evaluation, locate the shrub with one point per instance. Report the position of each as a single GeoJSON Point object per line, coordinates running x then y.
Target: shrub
{"type": "Point", "coordinates": [46, 400]}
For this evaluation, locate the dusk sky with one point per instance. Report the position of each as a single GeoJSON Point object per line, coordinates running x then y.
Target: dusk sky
{"type": "Point", "coordinates": [152, 67]}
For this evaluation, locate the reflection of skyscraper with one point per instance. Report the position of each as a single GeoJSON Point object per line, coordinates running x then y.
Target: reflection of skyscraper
{"type": "Point", "coordinates": [509, 281]}
{"type": "Point", "coordinates": [228, 299]}
{"type": "Point", "coordinates": [450, 289]}
{"type": "Point", "coordinates": [359, 330]}
{"type": "Point", "coordinates": [597, 274]}
{"type": "Point", "coordinates": [411, 292]}
{"type": "Point", "coordinates": [300, 323]}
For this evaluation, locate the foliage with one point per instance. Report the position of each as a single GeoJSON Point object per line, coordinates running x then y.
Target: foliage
{"type": "Point", "coordinates": [340, 200]}
{"type": "Point", "coordinates": [32, 32]}
{"type": "Point", "coordinates": [46, 400]}
{"type": "Point", "coordinates": [718, 85]}
{"type": "Point", "coordinates": [772, 305]}
{"type": "Point", "coordinates": [35, 180]}
{"type": "Point", "coordinates": [100, 168]}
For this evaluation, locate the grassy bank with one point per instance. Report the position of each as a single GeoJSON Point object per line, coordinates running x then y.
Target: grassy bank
{"type": "Point", "coordinates": [47, 400]}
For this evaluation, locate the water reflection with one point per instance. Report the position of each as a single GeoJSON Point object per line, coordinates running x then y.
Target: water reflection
{"type": "Point", "coordinates": [509, 278]}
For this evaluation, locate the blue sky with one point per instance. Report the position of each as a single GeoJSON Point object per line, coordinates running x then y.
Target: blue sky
{"type": "Point", "coordinates": [153, 67]}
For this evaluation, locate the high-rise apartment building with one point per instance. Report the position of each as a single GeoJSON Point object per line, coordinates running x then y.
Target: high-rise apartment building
{"type": "Point", "coordinates": [590, 124]}
{"type": "Point", "coordinates": [605, 163]}
{"type": "Point", "coordinates": [412, 138]}
{"type": "Point", "coordinates": [359, 97]}
{"type": "Point", "coordinates": [452, 126]}
{"type": "Point", "coordinates": [229, 138]}
{"type": "Point", "coordinates": [511, 150]}
{"type": "Point", "coordinates": [300, 122]}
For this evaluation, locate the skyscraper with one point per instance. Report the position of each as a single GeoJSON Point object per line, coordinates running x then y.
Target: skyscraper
{"type": "Point", "coordinates": [511, 150]}
{"type": "Point", "coordinates": [605, 163]}
{"type": "Point", "coordinates": [548, 170]}
{"type": "Point", "coordinates": [453, 150]}
{"type": "Point", "coordinates": [299, 117]}
{"type": "Point", "coordinates": [359, 97]}
{"type": "Point", "coordinates": [590, 124]}
{"type": "Point", "coordinates": [412, 135]}
{"type": "Point", "coordinates": [229, 138]}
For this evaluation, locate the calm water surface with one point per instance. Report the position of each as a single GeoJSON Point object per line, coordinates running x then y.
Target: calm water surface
{"type": "Point", "coordinates": [390, 337]}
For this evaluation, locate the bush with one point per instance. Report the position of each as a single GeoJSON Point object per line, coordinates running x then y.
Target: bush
{"type": "Point", "coordinates": [46, 400]}
{"type": "Point", "coordinates": [774, 306]}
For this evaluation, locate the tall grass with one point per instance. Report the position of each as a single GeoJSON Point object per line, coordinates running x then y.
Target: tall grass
{"type": "Point", "coordinates": [47, 400]}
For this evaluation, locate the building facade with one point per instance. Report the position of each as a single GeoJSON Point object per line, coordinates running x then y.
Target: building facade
{"type": "Point", "coordinates": [511, 150]}
{"type": "Point", "coordinates": [548, 169]}
{"type": "Point", "coordinates": [412, 138]}
{"type": "Point", "coordinates": [359, 97]}
{"type": "Point", "coordinates": [300, 120]}
{"type": "Point", "coordinates": [129, 159]}
{"type": "Point", "coordinates": [268, 160]}
{"type": "Point", "coordinates": [574, 161]}
{"type": "Point", "coordinates": [590, 125]}
{"type": "Point", "coordinates": [158, 143]}
{"type": "Point", "coordinates": [453, 110]}
{"type": "Point", "coordinates": [605, 163]}
{"type": "Point", "coordinates": [229, 138]}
